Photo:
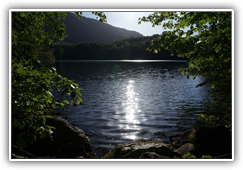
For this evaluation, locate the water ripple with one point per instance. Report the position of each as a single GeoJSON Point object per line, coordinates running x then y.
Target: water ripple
{"type": "Point", "coordinates": [127, 101]}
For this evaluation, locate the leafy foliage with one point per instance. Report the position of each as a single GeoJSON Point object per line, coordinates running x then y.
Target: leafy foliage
{"type": "Point", "coordinates": [188, 155]}
{"type": "Point", "coordinates": [191, 156]}
{"type": "Point", "coordinates": [204, 39]}
{"type": "Point", "coordinates": [33, 80]}
{"type": "Point", "coordinates": [32, 100]}
{"type": "Point", "coordinates": [101, 16]}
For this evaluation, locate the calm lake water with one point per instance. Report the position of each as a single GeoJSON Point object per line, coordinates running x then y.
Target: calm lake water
{"type": "Point", "coordinates": [123, 101]}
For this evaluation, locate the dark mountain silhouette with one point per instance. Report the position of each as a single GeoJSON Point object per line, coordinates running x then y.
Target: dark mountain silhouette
{"type": "Point", "coordinates": [91, 30]}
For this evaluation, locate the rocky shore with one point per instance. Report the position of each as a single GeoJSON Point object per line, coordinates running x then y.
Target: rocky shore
{"type": "Point", "coordinates": [68, 142]}
{"type": "Point", "coordinates": [71, 142]}
{"type": "Point", "coordinates": [205, 142]}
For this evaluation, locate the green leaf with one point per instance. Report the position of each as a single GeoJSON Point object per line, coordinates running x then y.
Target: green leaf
{"type": "Point", "coordinates": [66, 102]}
{"type": "Point", "coordinates": [29, 80]}
{"type": "Point", "coordinates": [35, 99]}
{"type": "Point", "coordinates": [49, 94]}
{"type": "Point", "coordinates": [77, 92]}
{"type": "Point", "coordinates": [60, 104]}
{"type": "Point", "coordinates": [75, 84]}
{"type": "Point", "coordinates": [79, 100]}
{"type": "Point", "coordinates": [178, 27]}
{"type": "Point", "coordinates": [20, 70]}
{"type": "Point", "coordinates": [21, 124]}
{"type": "Point", "coordinates": [188, 155]}
{"type": "Point", "coordinates": [210, 58]}
{"type": "Point", "coordinates": [182, 23]}
{"type": "Point", "coordinates": [15, 122]}
{"type": "Point", "coordinates": [73, 95]}
{"type": "Point", "coordinates": [22, 14]}
{"type": "Point", "coordinates": [42, 135]}
{"type": "Point", "coordinates": [206, 156]}
{"type": "Point", "coordinates": [191, 65]}
{"type": "Point", "coordinates": [181, 70]}
{"type": "Point", "coordinates": [62, 93]}
{"type": "Point", "coordinates": [39, 90]}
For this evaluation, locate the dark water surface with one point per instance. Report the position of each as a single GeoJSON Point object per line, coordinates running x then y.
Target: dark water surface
{"type": "Point", "coordinates": [123, 101]}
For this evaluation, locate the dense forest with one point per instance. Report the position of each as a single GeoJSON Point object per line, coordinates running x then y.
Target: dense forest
{"type": "Point", "coordinates": [124, 49]}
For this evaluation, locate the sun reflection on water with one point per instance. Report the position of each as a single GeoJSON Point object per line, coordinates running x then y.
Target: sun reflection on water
{"type": "Point", "coordinates": [132, 110]}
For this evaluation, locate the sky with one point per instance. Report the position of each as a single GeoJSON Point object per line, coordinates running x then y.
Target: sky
{"type": "Point", "coordinates": [129, 21]}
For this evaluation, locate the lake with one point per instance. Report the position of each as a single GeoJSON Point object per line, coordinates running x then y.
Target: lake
{"type": "Point", "coordinates": [126, 100]}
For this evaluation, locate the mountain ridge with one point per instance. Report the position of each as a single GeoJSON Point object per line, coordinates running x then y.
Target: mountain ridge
{"type": "Point", "coordinates": [91, 30]}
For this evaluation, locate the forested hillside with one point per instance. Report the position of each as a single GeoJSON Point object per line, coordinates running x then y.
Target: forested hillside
{"type": "Point", "coordinates": [91, 30]}
{"type": "Point", "coordinates": [125, 49]}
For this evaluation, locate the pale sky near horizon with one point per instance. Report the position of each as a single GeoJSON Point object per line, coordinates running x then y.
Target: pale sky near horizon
{"type": "Point", "coordinates": [129, 21]}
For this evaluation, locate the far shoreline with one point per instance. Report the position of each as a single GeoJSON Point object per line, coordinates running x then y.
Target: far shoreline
{"type": "Point", "coordinates": [126, 61]}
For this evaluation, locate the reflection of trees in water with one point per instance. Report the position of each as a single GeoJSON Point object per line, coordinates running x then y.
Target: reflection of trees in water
{"type": "Point", "coordinates": [212, 110]}
{"type": "Point", "coordinates": [204, 113]}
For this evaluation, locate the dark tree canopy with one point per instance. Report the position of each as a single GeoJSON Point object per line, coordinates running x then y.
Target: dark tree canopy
{"type": "Point", "coordinates": [204, 39]}
{"type": "Point", "coordinates": [33, 80]}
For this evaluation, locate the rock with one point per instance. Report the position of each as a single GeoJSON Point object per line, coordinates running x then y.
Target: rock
{"type": "Point", "coordinates": [139, 147]}
{"type": "Point", "coordinates": [68, 141]}
{"type": "Point", "coordinates": [70, 150]}
{"type": "Point", "coordinates": [80, 157]}
{"type": "Point", "coordinates": [23, 154]}
{"type": "Point", "coordinates": [151, 140]}
{"type": "Point", "coordinates": [152, 155]}
{"type": "Point", "coordinates": [213, 141]}
{"type": "Point", "coordinates": [15, 156]}
{"type": "Point", "coordinates": [20, 153]}
{"type": "Point", "coordinates": [69, 138]}
{"type": "Point", "coordinates": [186, 148]}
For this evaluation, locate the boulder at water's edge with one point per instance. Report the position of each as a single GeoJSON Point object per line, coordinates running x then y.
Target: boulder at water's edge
{"type": "Point", "coordinates": [143, 148]}
{"type": "Point", "coordinates": [68, 136]}
{"type": "Point", "coordinates": [68, 142]}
